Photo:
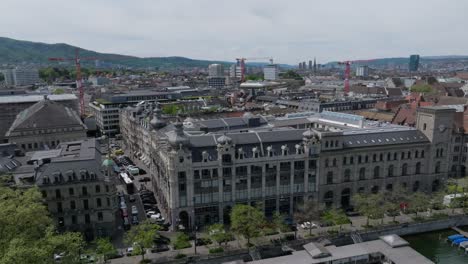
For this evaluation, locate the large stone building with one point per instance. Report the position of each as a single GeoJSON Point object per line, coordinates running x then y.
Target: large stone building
{"type": "Point", "coordinates": [79, 190]}
{"type": "Point", "coordinates": [12, 105]}
{"type": "Point", "coordinates": [45, 125]}
{"type": "Point", "coordinates": [202, 169]}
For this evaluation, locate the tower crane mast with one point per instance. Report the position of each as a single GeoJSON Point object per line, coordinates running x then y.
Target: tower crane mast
{"type": "Point", "coordinates": [79, 82]}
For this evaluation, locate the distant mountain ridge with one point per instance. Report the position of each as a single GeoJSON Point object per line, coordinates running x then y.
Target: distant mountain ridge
{"type": "Point", "coordinates": [14, 51]}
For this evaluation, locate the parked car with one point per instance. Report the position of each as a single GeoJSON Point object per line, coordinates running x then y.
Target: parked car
{"type": "Point", "coordinates": [309, 225]}
{"type": "Point", "coordinates": [159, 248]}
{"type": "Point", "coordinates": [134, 210]}
{"type": "Point", "coordinates": [135, 220]}
{"type": "Point", "coordinates": [129, 251]}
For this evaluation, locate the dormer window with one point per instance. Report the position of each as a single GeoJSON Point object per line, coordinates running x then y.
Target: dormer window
{"type": "Point", "coordinates": [284, 150]}
{"type": "Point", "coordinates": [240, 154]}
{"type": "Point", "coordinates": [270, 151]}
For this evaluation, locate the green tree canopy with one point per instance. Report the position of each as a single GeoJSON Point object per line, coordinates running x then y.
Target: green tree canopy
{"type": "Point", "coordinates": [27, 233]}
{"type": "Point", "coordinates": [141, 236]}
{"type": "Point", "coordinates": [370, 205]}
{"type": "Point", "coordinates": [422, 88]}
{"type": "Point", "coordinates": [105, 248]}
{"type": "Point", "coordinates": [218, 233]}
{"type": "Point", "coordinates": [335, 217]}
{"type": "Point", "coordinates": [290, 74]}
{"type": "Point", "coordinates": [247, 221]}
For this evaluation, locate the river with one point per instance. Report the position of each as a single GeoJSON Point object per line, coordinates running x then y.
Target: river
{"type": "Point", "coordinates": [433, 246]}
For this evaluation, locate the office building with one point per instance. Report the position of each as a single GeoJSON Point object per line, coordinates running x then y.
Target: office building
{"type": "Point", "coordinates": [21, 76]}
{"type": "Point", "coordinates": [271, 72]}
{"type": "Point", "coordinates": [216, 82]}
{"type": "Point", "coordinates": [12, 105]}
{"type": "Point", "coordinates": [414, 63]}
{"type": "Point", "coordinates": [106, 109]}
{"type": "Point", "coordinates": [216, 70]}
{"type": "Point", "coordinates": [201, 171]}
{"type": "Point", "coordinates": [362, 71]}
{"type": "Point", "coordinates": [45, 125]}
{"type": "Point", "coordinates": [79, 188]}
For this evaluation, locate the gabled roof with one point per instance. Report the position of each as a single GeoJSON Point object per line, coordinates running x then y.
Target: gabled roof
{"type": "Point", "coordinates": [46, 114]}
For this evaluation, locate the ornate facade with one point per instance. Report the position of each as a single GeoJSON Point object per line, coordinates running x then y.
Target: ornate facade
{"type": "Point", "coordinates": [202, 168]}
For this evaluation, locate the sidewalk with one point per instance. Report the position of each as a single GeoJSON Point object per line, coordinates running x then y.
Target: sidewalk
{"type": "Point", "coordinates": [357, 223]}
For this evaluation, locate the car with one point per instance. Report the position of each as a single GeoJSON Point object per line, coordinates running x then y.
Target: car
{"type": "Point", "coordinates": [159, 248]}
{"type": "Point", "coordinates": [58, 257]}
{"type": "Point", "coordinates": [86, 258]}
{"type": "Point", "coordinates": [135, 220]}
{"type": "Point", "coordinates": [160, 239]}
{"type": "Point", "coordinates": [309, 225]}
{"type": "Point", "coordinates": [144, 179]}
{"type": "Point", "coordinates": [129, 251]}
{"type": "Point", "coordinates": [131, 198]}
{"type": "Point", "coordinates": [134, 210]}
{"type": "Point", "coordinates": [150, 213]}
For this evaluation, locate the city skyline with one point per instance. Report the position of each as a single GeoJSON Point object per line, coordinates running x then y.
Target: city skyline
{"type": "Point", "coordinates": [287, 32]}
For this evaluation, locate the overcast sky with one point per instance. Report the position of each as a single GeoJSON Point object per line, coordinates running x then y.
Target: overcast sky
{"type": "Point", "coordinates": [288, 30]}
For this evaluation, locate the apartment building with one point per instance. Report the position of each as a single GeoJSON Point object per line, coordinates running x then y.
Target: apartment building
{"type": "Point", "coordinates": [79, 189]}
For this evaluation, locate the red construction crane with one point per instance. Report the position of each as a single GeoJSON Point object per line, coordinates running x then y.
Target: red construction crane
{"type": "Point", "coordinates": [241, 64]}
{"type": "Point", "coordinates": [79, 82]}
{"type": "Point", "coordinates": [348, 72]}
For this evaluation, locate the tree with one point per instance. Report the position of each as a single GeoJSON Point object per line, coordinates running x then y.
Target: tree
{"type": "Point", "coordinates": [422, 88]}
{"type": "Point", "coordinates": [335, 217]}
{"type": "Point", "coordinates": [279, 221]}
{"type": "Point", "coordinates": [105, 248]}
{"type": "Point", "coordinates": [27, 233]}
{"type": "Point", "coordinates": [218, 233]}
{"type": "Point", "coordinates": [181, 241]}
{"type": "Point", "coordinates": [309, 211]}
{"type": "Point", "coordinates": [370, 205]}
{"type": "Point", "coordinates": [247, 221]}
{"type": "Point", "coordinates": [142, 236]}
{"type": "Point", "coordinates": [419, 201]}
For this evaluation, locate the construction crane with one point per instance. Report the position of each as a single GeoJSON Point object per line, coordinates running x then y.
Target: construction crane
{"type": "Point", "coordinates": [348, 72]}
{"type": "Point", "coordinates": [79, 82]}
{"type": "Point", "coordinates": [241, 64]}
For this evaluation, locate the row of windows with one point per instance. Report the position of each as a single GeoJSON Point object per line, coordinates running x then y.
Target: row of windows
{"type": "Point", "coordinates": [36, 145]}
{"type": "Point", "coordinates": [85, 204]}
{"type": "Point", "coordinates": [71, 191]}
{"type": "Point", "coordinates": [74, 219]}
{"type": "Point", "coordinates": [375, 158]}
{"type": "Point", "coordinates": [390, 172]}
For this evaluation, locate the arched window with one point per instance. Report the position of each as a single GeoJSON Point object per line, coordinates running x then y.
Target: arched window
{"type": "Point", "coordinates": [395, 156]}
{"type": "Point", "coordinates": [347, 175]}
{"type": "Point", "coordinates": [389, 156]}
{"type": "Point", "coordinates": [374, 158]}
{"type": "Point", "coordinates": [422, 153]}
{"type": "Point", "coordinates": [330, 177]}
{"type": "Point", "coordinates": [362, 173]}
{"type": "Point", "coordinates": [367, 159]}
{"type": "Point", "coordinates": [437, 153]}
{"type": "Point", "coordinates": [376, 172]}
{"type": "Point", "coordinates": [416, 154]}
{"type": "Point", "coordinates": [402, 155]}
{"type": "Point", "coordinates": [404, 169]}
{"type": "Point", "coordinates": [359, 160]}
{"type": "Point", "coordinates": [441, 152]}
{"type": "Point", "coordinates": [409, 154]}
{"type": "Point", "coordinates": [390, 171]}
{"type": "Point", "coordinates": [418, 168]}
{"type": "Point", "coordinates": [437, 167]}
{"type": "Point", "coordinates": [326, 144]}
{"type": "Point", "coordinates": [326, 163]}
{"type": "Point", "coordinates": [381, 157]}
{"type": "Point", "coordinates": [334, 162]}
